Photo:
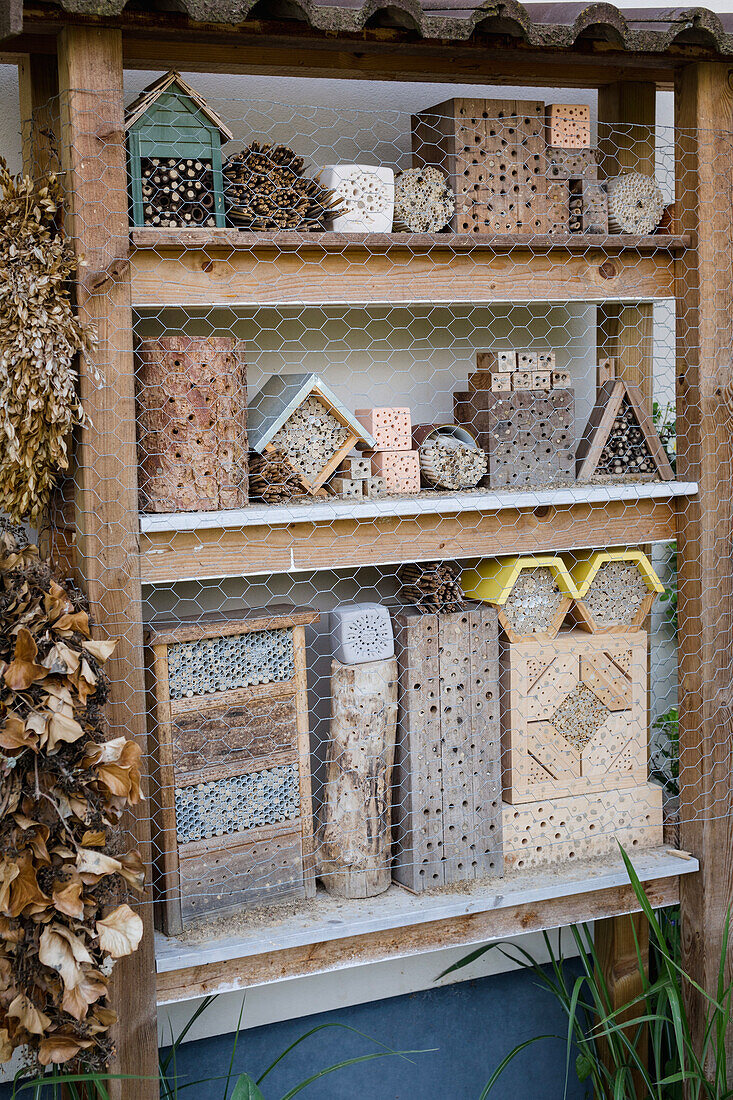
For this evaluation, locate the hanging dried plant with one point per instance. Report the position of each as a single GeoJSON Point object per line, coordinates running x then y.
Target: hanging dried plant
{"type": "Point", "coordinates": [39, 337]}
{"type": "Point", "coordinates": [63, 787]}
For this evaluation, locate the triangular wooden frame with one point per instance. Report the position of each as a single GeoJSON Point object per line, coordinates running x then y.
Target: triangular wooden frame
{"type": "Point", "coordinates": [602, 418]}
{"type": "Point", "coordinates": [148, 96]}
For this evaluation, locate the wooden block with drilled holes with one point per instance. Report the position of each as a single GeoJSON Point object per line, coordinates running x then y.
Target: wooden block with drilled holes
{"type": "Point", "coordinates": [390, 427]}
{"type": "Point", "coordinates": [375, 487]}
{"type": "Point", "coordinates": [570, 164]}
{"type": "Point", "coordinates": [541, 380]}
{"type": "Point", "coordinates": [527, 360]}
{"type": "Point", "coordinates": [568, 125]}
{"type": "Point", "coordinates": [356, 469]}
{"type": "Point", "coordinates": [493, 152]}
{"type": "Point", "coordinates": [528, 435]}
{"type": "Point", "coordinates": [593, 205]}
{"type": "Point", "coordinates": [498, 359]}
{"type": "Point", "coordinates": [574, 715]}
{"type": "Point", "coordinates": [560, 379]}
{"type": "Point", "coordinates": [522, 380]}
{"type": "Point", "coordinates": [501, 382]}
{"type": "Point", "coordinates": [545, 360]}
{"type": "Point", "coordinates": [399, 469]}
{"type": "Point", "coordinates": [562, 830]}
{"type": "Point", "coordinates": [557, 204]}
{"type": "Point", "coordinates": [347, 487]}
{"type": "Point", "coordinates": [447, 797]}
{"type": "Point", "coordinates": [229, 739]}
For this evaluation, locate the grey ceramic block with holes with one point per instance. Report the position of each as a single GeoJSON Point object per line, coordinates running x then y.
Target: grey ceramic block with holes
{"type": "Point", "coordinates": [361, 632]}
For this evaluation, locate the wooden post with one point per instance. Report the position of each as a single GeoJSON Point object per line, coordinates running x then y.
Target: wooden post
{"type": "Point", "coordinates": [626, 117]}
{"type": "Point", "coordinates": [93, 149]}
{"type": "Point", "coordinates": [356, 840]}
{"type": "Point", "coordinates": [616, 941]}
{"type": "Point", "coordinates": [38, 84]}
{"type": "Point", "coordinates": [704, 170]}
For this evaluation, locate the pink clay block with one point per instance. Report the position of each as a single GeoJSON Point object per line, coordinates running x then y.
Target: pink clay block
{"type": "Point", "coordinates": [391, 428]}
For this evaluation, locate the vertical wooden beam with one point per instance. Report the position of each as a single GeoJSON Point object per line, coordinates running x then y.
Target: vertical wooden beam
{"type": "Point", "coordinates": [626, 127]}
{"type": "Point", "coordinates": [616, 941]}
{"type": "Point", "coordinates": [93, 145]}
{"type": "Point", "coordinates": [704, 171]}
{"type": "Point", "coordinates": [38, 85]}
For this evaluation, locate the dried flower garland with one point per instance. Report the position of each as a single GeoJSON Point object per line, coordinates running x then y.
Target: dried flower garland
{"type": "Point", "coordinates": [39, 337]}
{"type": "Point", "coordinates": [63, 787]}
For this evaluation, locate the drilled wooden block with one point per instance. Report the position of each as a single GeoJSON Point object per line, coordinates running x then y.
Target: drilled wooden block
{"type": "Point", "coordinates": [557, 830]}
{"type": "Point", "coordinates": [192, 424]}
{"type": "Point", "coordinates": [229, 739]}
{"type": "Point", "coordinates": [568, 125]}
{"type": "Point", "coordinates": [375, 487]}
{"type": "Point", "coordinates": [357, 469]}
{"type": "Point", "coordinates": [522, 380]}
{"type": "Point", "coordinates": [541, 380]}
{"type": "Point", "coordinates": [527, 360]}
{"type": "Point", "coordinates": [493, 152]}
{"type": "Point", "coordinates": [447, 800]}
{"type": "Point", "coordinates": [500, 383]}
{"type": "Point", "coordinates": [391, 428]}
{"type": "Point", "coordinates": [498, 359]}
{"type": "Point", "coordinates": [545, 360]}
{"type": "Point", "coordinates": [347, 487]}
{"type": "Point", "coordinates": [528, 435]}
{"type": "Point", "coordinates": [567, 164]}
{"type": "Point", "coordinates": [560, 379]}
{"type": "Point", "coordinates": [574, 715]}
{"type": "Point", "coordinates": [399, 469]}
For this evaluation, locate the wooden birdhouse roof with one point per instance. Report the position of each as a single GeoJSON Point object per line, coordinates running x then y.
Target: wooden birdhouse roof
{"type": "Point", "coordinates": [149, 95]}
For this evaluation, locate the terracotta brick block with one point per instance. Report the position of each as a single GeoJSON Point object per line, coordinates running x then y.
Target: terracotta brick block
{"type": "Point", "coordinates": [391, 428]}
{"type": "Point", "coordinates": [568, 125]}
{"type": "Point", "coordinates": [400, 470]}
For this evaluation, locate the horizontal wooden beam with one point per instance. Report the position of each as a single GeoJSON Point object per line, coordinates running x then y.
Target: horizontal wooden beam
{"type": "Point", "coordinates": [169, 556]}
{"type": "Point", "coordinates": [263, 276]}
{"type": "Point", "coordinates": [355, 949]}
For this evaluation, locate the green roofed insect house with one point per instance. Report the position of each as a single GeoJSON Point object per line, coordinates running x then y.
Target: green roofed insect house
{"type": "Point", "coordinates": [174, 157]}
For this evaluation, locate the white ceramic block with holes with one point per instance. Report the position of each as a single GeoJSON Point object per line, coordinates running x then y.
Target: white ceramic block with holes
{"type": "Point", "coordinates": [367, 195]}
{"type": "Point", "coordinates": [361, 632]}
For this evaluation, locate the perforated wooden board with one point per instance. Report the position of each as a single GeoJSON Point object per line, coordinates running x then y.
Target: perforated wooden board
{"type": "Point", "coordinates": [561, 830]}
{"type": "Point", "coordinates": [573, 713]}
{"type": "Point", "coordinates": [447, 800]}
{"type": "Point", "coordinates": [493, 152]}
{"type": "Point", "coordinates": [528, 435]}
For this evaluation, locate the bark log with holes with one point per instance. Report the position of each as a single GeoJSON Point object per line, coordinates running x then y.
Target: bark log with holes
{"type": "Point", "coordinates": [192, 416]}
{"type": "Point", "coordinates": [356, 840]}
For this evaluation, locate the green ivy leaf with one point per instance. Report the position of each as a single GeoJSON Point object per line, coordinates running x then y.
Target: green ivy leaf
{"type": "Point", "coordinates": [583, 1066]}
{"type": "Point", "coordinates": [246, 1089]}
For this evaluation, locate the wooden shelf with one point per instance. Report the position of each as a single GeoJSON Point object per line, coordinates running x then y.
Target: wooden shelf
{"type": "Point", "coordinates": [204, 267]}
{"type": "Point", "coordinates": [330, 933]}
{"type": "Point", "coordinates": [339, 534]}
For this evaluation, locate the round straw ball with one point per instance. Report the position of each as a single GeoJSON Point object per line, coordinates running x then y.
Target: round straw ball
{"type": "Point", "coordinates": [635, 204]}
{"type": "Point", "coordinates": [424, 201]}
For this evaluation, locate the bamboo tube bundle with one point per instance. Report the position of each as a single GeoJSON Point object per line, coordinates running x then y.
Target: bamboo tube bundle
{"type": "Point", "coordinates": [424, 201]}
{"type": "Point", "coordinates": [431, 586]}
{"type": "Point", "coordinates": [635, 204]}
{"type": "Point", "coordinates": [626, 450]}
{"type": "Point", "coordinates": [450, 463]}
{"type": "Point", "coordinates": [265, 189]}
{"type": "Point", "coordinates": [273, 478]}
{"type": "Point", "coordinates": [177, 192]}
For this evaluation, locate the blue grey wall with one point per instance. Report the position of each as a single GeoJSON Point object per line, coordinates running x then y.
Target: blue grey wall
{"type": "Point", "coordinates": [464, 1030]}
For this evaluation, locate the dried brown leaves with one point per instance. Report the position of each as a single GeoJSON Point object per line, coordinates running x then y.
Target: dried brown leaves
{"type": "Point", "coordinates": [63, 787]}
{"type": "Point", "coordinates": [39, 337]}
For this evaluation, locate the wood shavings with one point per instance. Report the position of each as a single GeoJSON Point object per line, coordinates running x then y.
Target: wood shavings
{"type": "Point", "coordinates": [533, 602]}
{"type": "Point", "coordinates": [63, 788]}
{"type": "Point", "coordinates": [424, 201]}
{"type": "Point", "coordinates": [616, 594]}
{"type": "Point", "coordinates": [580, 716]}
{"type": "Point", "coordinates": [39, 338]}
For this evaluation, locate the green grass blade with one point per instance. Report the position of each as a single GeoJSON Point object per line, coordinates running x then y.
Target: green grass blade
{"type": "Point", "coordinates": [510, 1058]}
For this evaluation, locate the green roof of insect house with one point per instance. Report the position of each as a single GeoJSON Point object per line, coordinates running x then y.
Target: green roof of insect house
{"type": "Point", "coordinates": [174, 156]}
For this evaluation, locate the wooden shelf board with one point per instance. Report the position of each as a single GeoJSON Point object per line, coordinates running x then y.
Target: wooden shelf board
{"type": "Point", "coordinates": [329, 933]}
{"type": "Point", "coordinates": [176, 269]}
{"type": "Point", "coordinates": [344, 534]}
{"type": "Point", "coordinates": [293, 241]}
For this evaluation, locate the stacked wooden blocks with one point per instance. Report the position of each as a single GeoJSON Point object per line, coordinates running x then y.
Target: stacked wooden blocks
{"type": "Point", "coordinates": [393, 458]}
{"type": "Point", "coordinates": [231, 750]}
{"type": "Point", "coordinates": [526, 428]}
{"type": "Point", "coordinates": [577, 202]}
{"type": "Point", "coordinates": [354, 479]}
{"type": "Point", "coordinates": [447, 791]}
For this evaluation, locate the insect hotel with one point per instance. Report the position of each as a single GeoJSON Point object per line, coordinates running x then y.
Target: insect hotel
{"type": "Point", "coordinates": [411, 521]}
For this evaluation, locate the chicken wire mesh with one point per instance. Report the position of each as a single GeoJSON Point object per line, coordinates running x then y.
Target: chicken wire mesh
{"type": "Point", "coordinates": [406, 441]}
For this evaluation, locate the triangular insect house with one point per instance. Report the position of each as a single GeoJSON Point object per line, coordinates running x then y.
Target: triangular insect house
{"type": "Point", "coordinates": [301, 417]}
{"type": "Point", "coordinates": [174, 156]}
{"type": "Point", "coordinates": [620, 439]}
